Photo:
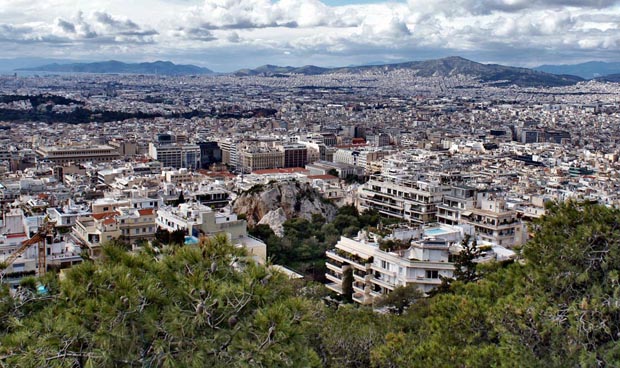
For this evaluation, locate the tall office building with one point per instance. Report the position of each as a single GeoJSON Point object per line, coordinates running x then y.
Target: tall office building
{"type": "Point", "coordinates": [176, 155]}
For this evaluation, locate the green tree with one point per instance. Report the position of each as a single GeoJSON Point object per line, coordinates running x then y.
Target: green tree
{"type": "Point", "coordinates": [465, 266]}
{"type": "Point", "coordinates": [350, 333]}
{"type": "Point", "coordinates": [400, 298]}
{"type": "Point", "coordinates": [182, 306]}
{"type": "Point", "coordinates": [347, 284]}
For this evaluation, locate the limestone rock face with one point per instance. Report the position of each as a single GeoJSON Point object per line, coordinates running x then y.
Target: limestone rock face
{"type": "Point", "coordinates": [283, 200]}
{"type": "Point", "coordinates": [275, 219]}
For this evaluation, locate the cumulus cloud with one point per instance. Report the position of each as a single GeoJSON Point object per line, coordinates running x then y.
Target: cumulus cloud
{"type": "Point", "coordinates": [198, 33]}
{"type": "Point", "coordinates": [247, 14]}
{"type": "Point", "coordinates": [304, 30]}
{"type": "Point", "coordinates": [482, 7]}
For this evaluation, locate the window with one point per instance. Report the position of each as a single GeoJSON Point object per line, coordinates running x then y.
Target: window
{"type": "Point", "coordinates": [432, 274]}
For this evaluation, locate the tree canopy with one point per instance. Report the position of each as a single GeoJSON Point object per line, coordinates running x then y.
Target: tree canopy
{"type": "Point", "coordinates": [180, 306]}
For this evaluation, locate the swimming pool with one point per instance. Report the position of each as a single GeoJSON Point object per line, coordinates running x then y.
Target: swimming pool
{"type": "Point", "coordinates": [436, 231]}
{"type": "Point", "coordinates": [191, 240]}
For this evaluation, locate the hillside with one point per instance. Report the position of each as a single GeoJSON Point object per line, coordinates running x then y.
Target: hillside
{"type": "Point", "coordinates": [117, 67]}
{"type": "Point", "coordinates": [450, 66]}
{"type": "Point", "coordinates": [274, 203]}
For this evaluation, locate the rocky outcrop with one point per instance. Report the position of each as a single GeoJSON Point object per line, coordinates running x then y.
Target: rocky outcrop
{"type": "Point", "coordinates": [290, 199]}
{"type": "Point", "coordinates": [275, 219]}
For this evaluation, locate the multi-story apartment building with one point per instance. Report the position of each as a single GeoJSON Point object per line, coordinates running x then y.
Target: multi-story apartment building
{"type": "Point", "coordinates": [95, 230]}
{"type": "Point", "coordinates": [494, 222]}
{"type": "Point", "coordinates": [363, 158]}
{"type": "Point", "coordinates": [376, 270]}
{"type": "Point", "coordinates": [126, 224]}
{"type": "Point", "coordinates": [67, 215]}
{"type": "Point", "coordinates": [417, 257]}
{"type": "Point", "coordinates": [180, 176]}
{"type": "Point", "coordinates": [403, 197]}
{"type": "Point", "coordinates": [76, 154]}
{"type": "Point", "coordinates": [460, 200]}
{"type": "Point", "coordinates": [136, 224]}
{"type": "Point", "coordinates": [229, 152]}
{"type": "Point", "coordinates": [176, 155]}
{"type": "Point", "coordinates": [343, 170]}
{"type": "Point", "coordinates": [107, 204]}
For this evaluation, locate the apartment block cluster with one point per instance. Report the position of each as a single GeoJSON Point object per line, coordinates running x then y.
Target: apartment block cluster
{"type": "Point", "coordinates": [419, 256]}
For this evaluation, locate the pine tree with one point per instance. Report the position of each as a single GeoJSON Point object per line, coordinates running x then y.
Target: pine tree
{"type": "Point", "coordinates": [464, 262]}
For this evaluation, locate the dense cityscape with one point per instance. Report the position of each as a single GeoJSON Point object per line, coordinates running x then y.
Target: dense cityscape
{"type": "Point", "coordinates": [342, 211]}
{"type": "Point", "coordinates": [427, 151]}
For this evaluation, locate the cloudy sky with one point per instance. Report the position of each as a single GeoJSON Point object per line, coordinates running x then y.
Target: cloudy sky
{"type": "Point", "coordinates": [226, 35]}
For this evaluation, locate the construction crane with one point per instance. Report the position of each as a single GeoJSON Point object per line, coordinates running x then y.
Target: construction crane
{"type": "Point", "coordinates": [40, 238]}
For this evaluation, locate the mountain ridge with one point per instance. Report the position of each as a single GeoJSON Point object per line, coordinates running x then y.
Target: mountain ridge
{"type": "Point", "coordinates": [449, 66]}
{"type": "Point", "coordinates": [587, 70]}
{"type": "Point", "coordinates": [499, 75]}
{"type": "Point", "coordinates": [118, 67]}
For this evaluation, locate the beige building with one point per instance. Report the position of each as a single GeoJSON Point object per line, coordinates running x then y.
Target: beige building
{"type": "Point", "coordinates": [260, 159]}
{"type": "Point", "coordinates": [127, 224]}
{"type": "Point", "coordinates": [402, 197]}
{"type": "Point", "coordinates": [66, 154]}
{"type": "Point", "coordinates": [95, 230]}
{"type": "Point", "coordinates": [495, 223]}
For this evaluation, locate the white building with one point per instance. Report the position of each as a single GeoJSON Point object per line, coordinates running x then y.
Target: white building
{"type": "Point", "coordinates": [409, 256]}
{"type": "Point", "coordinates": [198, 220]}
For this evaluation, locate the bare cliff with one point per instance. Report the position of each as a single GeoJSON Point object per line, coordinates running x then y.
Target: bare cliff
{"type": "Point", "coordinates": [277, 202]}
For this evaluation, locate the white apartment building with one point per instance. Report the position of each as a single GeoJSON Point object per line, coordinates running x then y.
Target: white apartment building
{"type": "Point", "coordinates": [402, 197]}
{"type": "Point", "coordinates": [495, 223]}
{"type": "Point", "coordinates": [420, 258]}
{"type": "Point", "coordinates": [459, 201]}
{"type": "Point", "coordinates": [180, 176]}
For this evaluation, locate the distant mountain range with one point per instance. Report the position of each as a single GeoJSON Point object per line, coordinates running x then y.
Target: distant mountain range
{"type": "Point", "coordinates": [118, 67]}
{"type": "Point", "coordinates": [614, 78]}
{"type": "Point", "coordinates": [489, 73]}
{"type": "Point", "coordinates": [589, 70]}
{"type": "Point", "coordinates": [545, 75]}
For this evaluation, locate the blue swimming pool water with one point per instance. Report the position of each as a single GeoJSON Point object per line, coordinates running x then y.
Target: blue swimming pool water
{"type": "Point", "coordinates": [435, 231]}
{"type": "Point", "coordinates": [191, 240]}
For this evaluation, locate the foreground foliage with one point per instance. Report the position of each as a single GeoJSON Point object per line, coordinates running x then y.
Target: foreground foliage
{"type": "Point", "coordinates": [190, 306]}
{"type": "Point", "coordinates": [204, 306]}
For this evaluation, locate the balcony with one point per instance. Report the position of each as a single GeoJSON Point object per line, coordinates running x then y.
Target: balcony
{"type": "Point", "coordinates": [334, 268]}
{"type": "Point", "coordinates": [383, 283]}
{"type": "Point", "coordinates": [333, 278]}
{"type": "Point", "coordinates": [346, 258]}
{"type": "Point", "coordinates": [335, 287]}
{"type": "Point", "coordinates": [357, 289]}
{"type": "Point", "coordinates": [422, 280]}
{"type": "Point", "coordinates": [363, 299]}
